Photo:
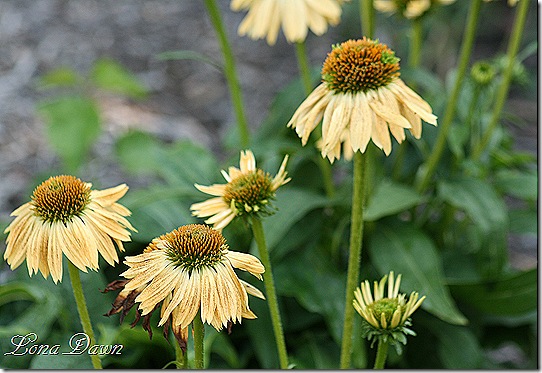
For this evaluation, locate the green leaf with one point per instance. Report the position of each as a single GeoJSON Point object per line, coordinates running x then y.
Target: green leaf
{"type": "Point", "coordinates": [457, 138]}
{"type": "Point", "coordinates": [73, 124]}
{"type": "Point", "coordinates": [221, 345]}
{"type": "Point", "coordinates": [261, 335]}
{"type": "Point", "coordinates": [188, 55]}
{"type": "Point", "coordinates": [488, 211]}
{"type": "Point", "coordinates": [390, 198]}
{"type": "Point", "coordinates": [158, 209]}
{"type": "Point", "coordinates": [188, 163]}
{"type": "Point", "coordinates": [61, 77]}
{"type": "Point", "coordinates": [478, 199]}
{"type": "Point", "coordinates": [306, 281]}
{"type": "Point", "coordinates": [45, 306]}
{"type": "Point", "coordinates": [61, 361]}
{"type": "Point", "coordinates": [112, 76]}
{"type": "Point", "coordinates": [524, 221]}
{"type": "Point", "coordinates": [404, 249]}
{"type": "Point", "coordinates": [469, 356]}
{"type": "Point", "coordinates": [292, 204]}
{"type": "Point", "coordinates": [511, 295]}
{"type": "Point", "coordinates": [139, 153]}
{"type": "Point", "coordinates": [518, 184]}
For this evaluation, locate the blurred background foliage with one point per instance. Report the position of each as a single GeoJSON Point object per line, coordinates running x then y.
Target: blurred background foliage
{"type": "Point", "coordinates": [451, 244]}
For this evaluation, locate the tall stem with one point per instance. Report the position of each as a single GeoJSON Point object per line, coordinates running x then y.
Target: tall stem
{"type": "Point", "coordinates": [513, 47]}
{"type": "Point", "coordinates": [82, 310]}
{"type": "Point", "coordinates": [366, 12]}
{"type": "Point", "coordinates": [303, 65]}
{"type": "Point", "coordinates": [381, 354]}
{"type": "Point", "coordinates": [230, 72]}
{"type": "Point", "coordinates": [414, 57]}
{"type": "Point", "coordinates": [468, 40]}
{"type": "Point", "coordinates": [199, 334]}
{"type": "Point", "coordinates": [473, 126]}
{"type": "Point", "coordinates": [180, 357]}
{"type": "Point", "coordinates": [354, 259]}
{"type": "Point", "coordinates": [416, 37]}
{"type": "Point", "coordinates": [271, 294]}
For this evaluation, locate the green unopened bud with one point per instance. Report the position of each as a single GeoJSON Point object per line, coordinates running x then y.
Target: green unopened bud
{"type": "Point", "coordinates": [483, 73]}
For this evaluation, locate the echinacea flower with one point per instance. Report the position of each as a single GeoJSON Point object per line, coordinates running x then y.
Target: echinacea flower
{"type": "Point", "coordinates": [187, 271]}
{"type": "Point", "coordinates": [265, 17]}
{"type": "Point", "coordinates": [361, 98]}
{"type": "Point", "coordinates": [386, 317]}
{"type": "Point", "coordinates": [248, 191]}
{"type": "Point", "coordinates": [408, 8]}
{"type": "Point", "coordinates": [65, 216]}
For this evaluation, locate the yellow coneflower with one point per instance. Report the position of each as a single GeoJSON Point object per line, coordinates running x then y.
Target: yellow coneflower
{"type": "Point", "coordinates": [361, 98]}
{"type": "Point", "coordinates": [185, 271]}
{"type": "Point", "coordinates": [386, 316]}
{"type": "Point", "coordinates": [66, 216]}
{"type": "Point", "coordinates": [248, 191]}
{"type": "Point", "coordinates": [265, 18]}
{"type": "Point", "coordinates": [408, 8]}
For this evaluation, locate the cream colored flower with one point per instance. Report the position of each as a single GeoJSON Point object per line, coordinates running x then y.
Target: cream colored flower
{"type": "Point", "coordinates": [408, 8]}
{"type": "Point", "coordinates": [248, 191]}
{"type": "Point", "coordinates": [66, 217]}
{"type": "Point", "coordinates": [265, 17]}
{"type": "Point", "coordinates": [361, 98]}
{"type": "Point", "coordinates": [185, 271]}
{"type": "Point", "coordinates": [382, 312]}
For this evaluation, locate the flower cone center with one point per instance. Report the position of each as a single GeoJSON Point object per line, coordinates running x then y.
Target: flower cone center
{"type": "Point", "coordinates": [359, 66]}
{"type": "Point", "coordinates": [384, 306]}
{"type": "Point", "coordinates": [249, 192]}
{"type": "Point", "coordinates": [60, 198]}
{"type": "Point", "coordinates": [193, 246]}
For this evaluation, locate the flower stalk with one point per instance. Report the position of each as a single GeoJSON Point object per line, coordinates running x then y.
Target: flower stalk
{"type": "Point", "coordinates": [366, 12]}
{"type": "Point", "coordinates": [230, 72]}
{"type": "Point", "coordinates": [199, 334]}
{"type": "Point", "coordinates": [466, 49]}
{"type": "Point", "coordinates": [381, 354]}
{"type": "Point", "coordinates": [354, 259]}
{"type": "Point", "coordinates": [82, 310]}
{"type": "Point", "coordinates": [271, 294]}
{"type": "Point", "coordinates": [180, 357]}
{"type": "Point", "coordinates": [502, 93]}
{"type": "Point", "coordinates": [416, 36]}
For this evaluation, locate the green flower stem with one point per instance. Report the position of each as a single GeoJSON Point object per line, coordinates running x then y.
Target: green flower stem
{"type": "Point", "coordinates": [381, 354]}
{"type": "Point", "coordinates": [354, 259]}
{"type": "Point", "coordinates": [271, 294]}
{"type": "Point", "coordinates": [180, 357]}
{"type": "Point", "coordinates": [230, 72]}
{"type": "Point", "coordinates": [414, 57]}
{"type": "Point", "coordinates": [366, 12]}
{"type": "Point", "coordinates": [416, 37]}
{"type": "Point", "coordinates": [303, 65]}
{"type": "Point", "coordinates": [83, 311]}
{"type": "Point", "coordinates": [304, 70]}
{"type": "Point", "coordinates": [444, 128]}
{"type": "Point", "coordinates": [470, 121]}
{"type": "Point", "coordinates": [502, 93]}
{"type": "Point", "coordinates": [199, 333]}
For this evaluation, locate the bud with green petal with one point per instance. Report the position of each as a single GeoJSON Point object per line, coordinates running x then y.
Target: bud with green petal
{"type": "Point", "coordinates": [386, 318]}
